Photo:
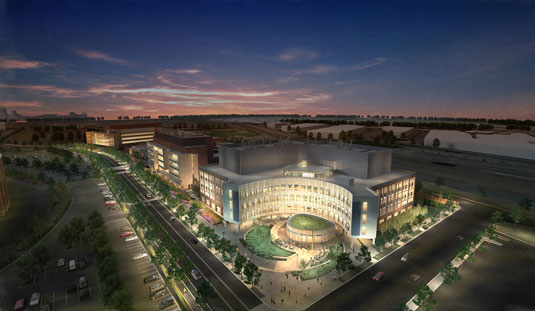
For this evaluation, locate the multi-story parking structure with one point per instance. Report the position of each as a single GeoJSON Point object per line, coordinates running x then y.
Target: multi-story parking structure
{"type": "Point", "coordinates": [176, 155]}
{"type": "Point", "coordinates": [122, 134]}
{"type": "Point", "coordinates": [351, 185]}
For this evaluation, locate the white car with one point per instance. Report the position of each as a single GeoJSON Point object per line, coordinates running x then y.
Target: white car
{"type": "Point", "coordinates": [35, 299]}
{"type": "Point", "coordinates": [139, 256]}
{"type": "Point", "coordinates": [195, 274]}
{"type": "Point", "coordinates": [405, 257]}
{"type": "Point", "coordinates": [131, 238]}
{"type": "Point", "coordinates": [102, 184]}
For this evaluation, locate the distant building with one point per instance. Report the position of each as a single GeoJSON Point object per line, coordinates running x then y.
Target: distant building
{"type": "Point", "coordinates": [176, 155]}
{"type": "Point", "coordinates": [120, 135]}
{"type": "Point", "coordinates": [4, 196]}
{"type": "Point", "coordinates": [352, 186]}
{"type": "Point", "coordinates": [336, 130]}
{"type": "Point", "coordinates": [304, 127]}
{"type": "Point", "coordinates": [4, 114]}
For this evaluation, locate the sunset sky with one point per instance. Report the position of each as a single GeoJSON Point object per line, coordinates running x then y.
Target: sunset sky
{"type": "Point", "coordinates": [471, 58]}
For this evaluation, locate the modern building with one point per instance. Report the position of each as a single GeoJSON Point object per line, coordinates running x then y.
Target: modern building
{"type": "Point", "coordinates": [176, 155]}
{"type": "Point", "coordinates": [352, 186]}
{"type": "Point", "coordinates": [335, 131]}
{"type": "Point", "coordinates": [122, 134]}
{"type": "Point", "coordinates": [4, 196]}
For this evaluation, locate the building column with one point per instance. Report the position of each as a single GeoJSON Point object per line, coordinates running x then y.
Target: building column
{"type": "Point", "coordinates": [224, 223]}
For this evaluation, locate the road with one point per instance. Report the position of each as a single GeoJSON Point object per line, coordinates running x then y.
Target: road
{"type": "Point", "coordinates": [231, 290]}
{"type": "Point", "coordinates": [428, 253]}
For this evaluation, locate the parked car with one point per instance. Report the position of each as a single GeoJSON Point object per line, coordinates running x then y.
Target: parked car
{"type": "Point", "coordinates": [155, 287]}
{"type": "Point", "coordinates": [195, 274]}
{"type": "Point", "coordinates": [459, 238]}
{"type": "Point", "coordinates": [158, 294]}
{"type": "Point", "coordinates": [194, 241]}
{"type": "Point", "coordinates": [149, 196]}
{"type": "Point", "coordinates": [169, 301]}
{"type": "Point", "coordinates": [172, 218]}
{"type": "Point", "coordinates": [111, 202]}
{"type": "Point", "coordinates": [126, 228]}
{"type": "Point", "coordinates": [82, 283]}
{"type": "Point", "coordinates": [126, 233]}
{"type": "Point", "coordinates": [84, 294]}
{"type": "Point", "coordinates": [414, 277]}
{"type": "Point", "coordinates": [405, 257]}
{"type": "Point", "coordinates": [131, 238]}
{"type": "Point", "coordinates": [35, 299]}
{"type": "Point", "coordinates": [139, 256]}
{"type": "Point", "coordinates": [82, 264]}
{"type": "Point", "coordinates": [19, 304]}
{"type": "Point", "coordinates": [102, 184]}
{"type": "Point", "coordinates": [61, 262]}
{"type": "Point", "coordinates": [379, 276]}
{"type": "Point", "coordinates": [72, 264]}
{"type": "Point", "coordinates": [151, 278]}
{"type": "Point", "coordinates": [46, 307]}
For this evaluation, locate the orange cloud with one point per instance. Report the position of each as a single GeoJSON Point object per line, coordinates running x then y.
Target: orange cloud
{"type": "Point", "coordinates": [15, 104]}
{"type": "Point", "coordinates": [11, 63]}
{"type": "Point", "coordinates": [96, 55]}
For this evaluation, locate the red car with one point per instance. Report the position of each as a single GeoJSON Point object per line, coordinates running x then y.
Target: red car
{"type": "Point", "coordinates": [379, 276]}
{"type": "Point", "coordinates": [126, 233]}
{"type": "Point", "coordinates": [19, 305]}
{"type": "Point", "coordinates": [459, 238]}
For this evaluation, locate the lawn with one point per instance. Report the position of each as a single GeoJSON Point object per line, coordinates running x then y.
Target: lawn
{"type": "Point", "coordinates": [258, 241]}
{"type": "Point", "coordinates": [309, 222]}
{"type": "Point", "coordinates": [317, 271]}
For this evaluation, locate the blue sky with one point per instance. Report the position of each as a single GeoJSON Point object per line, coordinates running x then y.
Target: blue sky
{"type": "Point", "coordinates": [110, 58]}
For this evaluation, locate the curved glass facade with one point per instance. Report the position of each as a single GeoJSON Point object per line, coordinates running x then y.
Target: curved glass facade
{"type": "Point", "coordinates": [292, 195]}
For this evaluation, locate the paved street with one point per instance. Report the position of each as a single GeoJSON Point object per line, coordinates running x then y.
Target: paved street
{"type": "Point", "coordinates": [232, 291]}
{"type": "Point", "coordinates": [501, 278]}
{"type": "Point", "coordinates": [428, 253]}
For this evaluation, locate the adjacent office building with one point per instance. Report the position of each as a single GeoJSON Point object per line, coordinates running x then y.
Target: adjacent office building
{"type": "Point", "coordinates": [4, 196]}
{"type": "Point", "coordinates": [352, 186]}
{"type": "Point", "coordinates": [121, 135]}
{"type": "Point", "coordinates": [176, 155]}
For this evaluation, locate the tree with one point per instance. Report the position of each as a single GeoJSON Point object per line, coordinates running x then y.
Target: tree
{"type": "Point", "coordinates": [289, 128]}
{"type": "Point", "coordinates": [206, 291]}
{"type": "Point", "coordinates": [490, 232]}
{"type": "Point", "coordinates": [108, 265]}
{"type": "Point", "coordinates": [380, 242]}
{"type": "Point", "coordinates": [391, 235]}
{"type": "Point", "coordinates": [344, 263]}
{"type": "Point", "coordinates": [36, 162]}
{"type": "Point", "coordinates": [424, 297]}
{"type": "Point", "coordinates": [330, 136]}
{"type": "Point", "coordinates": [239, 263]}
{"type": "Point", "coordinates": [113, 282]}
{"type": "Point", "coordinates": [364, 254]}
{"type": "Point", "coordinates": [497, 217]}
{"type": "Point", "coordinates": [436, 142]}
{"type": "Point", "coordinates": [439, 181]}
{"type": "Point", "coordinates": [406, 227]}
{"type": "Point", "coordinates": [525, 203]}
{"type": "Point", "coordinates": [78, 224]}
{"type": "Point", "coordinates": [41, 253]}
{"type": "Point", "coordinates": [67, 235]}
{"type": "Point", "coordinates": [463, 251]}
{"type": "Point", "coordinates": [122, 300]}
{"type": "Point", "coordinates": [303, 264]}
{"type": "Point", "coordinates": [191, 216]}
{"type": "Point", "coordinates": [252, 273]}
{"type": "Point", "coordinates": [449, 273]}
{"type": "Point", "coordinates": [27, 266]}
{"type": "Point", "coordinates": [318, 135]}
{"type": "Point", "coordinates": [95, 220]}
{"type": "Point", "coordinates": [310, 135]}
{"type": "Point", "coordinates": [517, 215]}
{"type": "Point", "coordinates": [402, 306]}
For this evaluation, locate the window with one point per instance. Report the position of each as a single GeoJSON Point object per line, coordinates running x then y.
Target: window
{"type": "Point", "coordinates": [364, 206]}
{"type": "Point", "coordinates": [363, 231]}
{"type": "Point", "coordinates": [364, 218]}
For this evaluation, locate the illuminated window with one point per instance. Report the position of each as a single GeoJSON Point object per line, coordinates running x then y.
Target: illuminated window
{"type": "Point", "coordinates": [363, 232]}
{"type": "Point", "coordinates": [230, 194]}
{"type": "Point", "coordinates": [364, 218]}
{"type": "Point", "coordinates": [365, 206]}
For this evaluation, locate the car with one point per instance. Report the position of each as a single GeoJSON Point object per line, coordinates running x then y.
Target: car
{"type": "Point", "coordinates": [405, 257]}
{"type": "Point", "coordinates": [61, 262]}
{"type": "Point", "coordinates": [379, 276]}
{"type": "Point", "coordinates": [131, 238]}
{"type": "Point", "coordinates": [102, 184]}
{"type": "Point", "coordinates": [46, 307]}
{"type": "Point", "coordinates": [194, 241]}
{"type": "Point", "coordinates": [195, 274]}
{"type": "Point", "coordinates": [149, 196]}
{"type": "Point", "coordinates": [169, 301]}
{"type": "Point", "coordinates": [82, 283]}
{"type": "Point", "coordinates": [72, 264]}
{"type": "Point", "coordinates": [151, 278]}
{"type": "Point", "coordinates": [108, 196]}
{"type": "Point", "coordinates": [139, 256]}
{"type": "Point", "coordinates": [82, 263]}
{"type": "Point", "coordinates": [126, 228]}
{"type": "Point", "coordinates": [155, 287]}
{"type": "Point", "coordinates": [84, 294]}
{"type": "Point", "coordinates": [172, 218]}
{"type": "Point", "coordinates": [72, 288]}
{"type": "Point", "coordinates": [158, 294]}
{"type": "Point", "coordinates": [414, 277]}
{"type": "Point", "coordinates": [35, 299]}
{"type": "Point", "coordinates": [126, 233]}
{"type": "Point", "coordinates": [459, 238]}
{"type": "Point", "coordinates": [19, 304]}
{"type": "Point", "coordinates": [111, 202]}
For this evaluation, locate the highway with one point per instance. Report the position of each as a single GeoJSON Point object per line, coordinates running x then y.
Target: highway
{"type": "Point", "coordinates": [428, 253]}
{"type": "Point", "coordinates": [231, 290]}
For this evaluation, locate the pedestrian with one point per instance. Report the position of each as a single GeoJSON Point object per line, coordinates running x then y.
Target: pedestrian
{"type": "Point", "coordinates": [282, 301]}
{"type": "Point", "coordinates": [271, 283]}
{"type": "Point", "coordinates": [297, 278]}
{"type": "Point", "coordinates": [321, 282]}
{"type": "Point", "coordinates": [295, 299]}
{"type": "Point", "coordinates": [289, 293]}
{"type": "Point", "coordinates": [261, 286]}
{"type": "Point", "coordinates": [286, 275]}
{"type": "Point", "coordinates": [309, 288]}
{"type": "Point", "coordinates": [317, 280]}
{"type": "Point", "coordinates": [284, 287]}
